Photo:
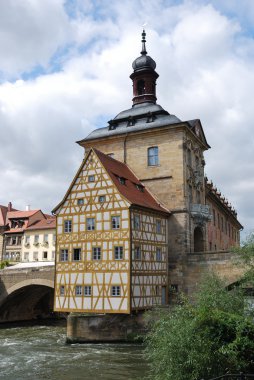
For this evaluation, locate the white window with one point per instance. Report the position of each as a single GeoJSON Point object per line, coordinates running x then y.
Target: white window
{"type": "Point", "coordinates": [36, 239]}
{"type": "Point", "coordinates": [115, 290]}
{"type": "Point", "coordinates": [80, 201]}
{"type": "Point", "coordinates": [45, 255]}
{"type": "Point", "coordinates": [158, 254]}
{"type": "Point", "coordinates": [90, 224]}
{"type": "Point", "coordinates": [158, 226]}
{"type": "Point", "coordinates": [102, 198]}
{"type": "Point", "coordinates": [27, 239]}
{"type": "Point", "coordinates": [96, 253]}
{"type": "Point", "coordinates": [35, 256]}
{"type": "Point", "coordinates": [78, 290]}
{"type": "Point", "coordinates": [91, 178]}
{"type": "Point", "coordinates": [153, 156]}
{"type": "Point", "coordinates": [115, 222]}
{"type": "Point", "coordinates": [26, 256]}
{"type": "Point", "coordinates": [46, 238]}
{"type": "Point", "coordinates": [62, 290]}
{"type": "Point", "coordinates": [76, 254]}
{"type": "Point", "coordinates": [118, 253]}
{"type": "Point", "coordinates": [64, 255]}
{"type": "Point", "coordinates": [136, 222]}
{"type": "Point", "coordinates": [67, 226]}
{"type": "Point", "coordinates": [137, 253]}
{"type": "Point", "coordinates": [87, 290]}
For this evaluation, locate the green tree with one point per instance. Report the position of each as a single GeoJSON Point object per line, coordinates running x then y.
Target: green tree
{"type": "Point", "coordinates": [245, 255]}
{"type": "Point", "coordinates": [202, 340]}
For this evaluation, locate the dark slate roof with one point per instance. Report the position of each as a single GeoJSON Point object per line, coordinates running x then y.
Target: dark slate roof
{"type": "Point", "coordinates": [139, 117]}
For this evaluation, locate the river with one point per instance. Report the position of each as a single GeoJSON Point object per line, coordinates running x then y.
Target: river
{"type": "Point", "coordinates": [40, 353]}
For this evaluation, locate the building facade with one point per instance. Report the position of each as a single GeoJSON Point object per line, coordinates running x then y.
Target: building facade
{"type": "Point", "coordinates": [111, 241]}
{"type": "Point", "coordinates": [27, 235]}
{"type": "Point", "coordinates": [167, 157]}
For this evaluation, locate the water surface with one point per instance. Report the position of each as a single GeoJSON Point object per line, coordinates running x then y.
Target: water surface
{"type": "Point", "coordinates": [40, 353]}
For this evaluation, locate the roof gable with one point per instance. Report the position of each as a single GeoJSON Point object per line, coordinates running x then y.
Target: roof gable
{"type": "Point", "coordinates": [196, 127]}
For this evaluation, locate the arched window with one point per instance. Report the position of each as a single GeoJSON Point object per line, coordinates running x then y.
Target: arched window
{"type": "Point", "coordinates": [141, 87]}
{"type": "Point", "coordinates": [198, 240]}
{"type": "Point", "coordinates": [153, 156]}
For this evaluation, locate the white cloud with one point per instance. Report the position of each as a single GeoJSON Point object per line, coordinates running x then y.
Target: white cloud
{"type": "Point", "coordinates": [204, 59]}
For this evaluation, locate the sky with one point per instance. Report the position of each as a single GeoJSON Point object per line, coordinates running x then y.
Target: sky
{"type": "Point", "coordinates": [64, 71]}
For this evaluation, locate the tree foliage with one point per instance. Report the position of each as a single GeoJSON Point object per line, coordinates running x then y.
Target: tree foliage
{"type": "Point", "coordinates": [202, 340]}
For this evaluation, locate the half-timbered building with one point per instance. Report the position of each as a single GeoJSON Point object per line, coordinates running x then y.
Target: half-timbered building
{"type": "Point", "coordinates": [111, 241]}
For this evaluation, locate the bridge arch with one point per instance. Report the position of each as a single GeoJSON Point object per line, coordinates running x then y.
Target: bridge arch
{"type": "Point", "coordinates": [26, 300]}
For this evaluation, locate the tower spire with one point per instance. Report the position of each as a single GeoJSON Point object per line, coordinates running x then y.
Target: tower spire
{"type": "Point", "coordinates": [144, 76]}
{"type": "Point", "coordinates": [143, 51]}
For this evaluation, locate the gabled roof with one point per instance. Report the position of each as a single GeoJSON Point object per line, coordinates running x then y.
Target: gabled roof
{"type": "Point", "coordinates": [132, 189]}
{"type": "Point", "coordinates": [21, 214]}
{"type": "Point", "coordinates": [3, 214]}
{"type": "Point", "coordinates": [44, 224]}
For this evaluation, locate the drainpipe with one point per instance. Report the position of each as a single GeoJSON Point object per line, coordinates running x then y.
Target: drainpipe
{"type": "Point", "coordinates": [124, 148]}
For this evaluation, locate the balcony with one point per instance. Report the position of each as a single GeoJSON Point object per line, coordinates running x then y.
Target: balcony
{"type": "Point", "coordinates": [200, 213]}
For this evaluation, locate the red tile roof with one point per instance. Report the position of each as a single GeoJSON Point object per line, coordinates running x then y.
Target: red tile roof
{"type": "Point", "coordinates": [3, 214]}
{"type": "Point", "coordinates": [48, 223]}
{"type": "Point", "coordinates": [129, 190]}
{"type": "Point", "coordinates": [21, 214]}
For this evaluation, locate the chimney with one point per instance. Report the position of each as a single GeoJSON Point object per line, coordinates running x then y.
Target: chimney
{"type": "Point", "coordinates": [9, 206]}
{"type": "Point", "coordinates": [28, 208]}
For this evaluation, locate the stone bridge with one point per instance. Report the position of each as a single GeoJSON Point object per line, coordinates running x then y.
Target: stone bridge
{"type": "Point", "coordinates": [26, 293]}
{"type": "Point", "coordinates": [226, 264]}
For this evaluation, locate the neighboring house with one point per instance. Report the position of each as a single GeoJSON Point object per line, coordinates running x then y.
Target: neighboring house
{"type": "Point", "coordinates": [18, 224]}
{"type": "Point", "coordinates": [4, 225]}
{"type": "Point", "coordinates": [167, 157]}
{"type": "Point", "coordinates": [111, 241]}
{"type": "Point", "coordinates": [38, 243]}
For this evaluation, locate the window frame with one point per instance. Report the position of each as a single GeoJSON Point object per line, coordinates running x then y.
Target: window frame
{"type": "Point", "coordinates": [158, 254]}
{"type": "Point", "coordinates": [88, 226]}
{"type": "Point", "coordinates": [137, 253]}
{"type": "Point", "coordinates": [67, 226]}
{"type": "Point", "coordinates": [115, 291]}
{"type": "Point", "coordinates": [158, 226]}
{"type": "Point", "coordinates": [91, 178]}
{"type": "Point", "coordinates": [75, 252]}
{"type": "Point", "coordinates": [117, 224]}
{"type": "Point", "coordinates": [89, 292]}
{"type": "Point", "coordinates": [78, 291]}
{"type": "Point", "coordinates": [62, 290]}
{"type": "Point", "coordinates": [153, 156]}
{"type": "Point", "coordinates": [136, 222]}
{"type": "Point", "coordinates": [118, 251]}
{"type": "Point", "coordinates": [64, 255]}
{"type": "Point", "coordinates": [96, 253]}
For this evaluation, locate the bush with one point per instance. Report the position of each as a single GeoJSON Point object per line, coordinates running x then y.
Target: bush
{"type": "Point", "coordinates": [202, 340]}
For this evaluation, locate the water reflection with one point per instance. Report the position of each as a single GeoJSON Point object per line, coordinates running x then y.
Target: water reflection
{"type": "Point", "coordinates": [40, 353]}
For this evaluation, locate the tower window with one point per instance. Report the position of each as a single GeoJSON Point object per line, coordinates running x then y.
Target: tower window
{"type": "Point", "coordinates": [153, 156]}
{"type": "Point", "coordinates": [141, 87]}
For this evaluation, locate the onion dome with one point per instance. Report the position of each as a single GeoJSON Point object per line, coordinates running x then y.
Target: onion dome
{"type": "Point", "coordinates": [144, 61]}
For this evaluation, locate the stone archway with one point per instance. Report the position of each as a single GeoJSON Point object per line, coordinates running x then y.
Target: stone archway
{"type": "Point", "coordinates": [199, 241]}
{"type": "Point", "coordinates": [27, 300]}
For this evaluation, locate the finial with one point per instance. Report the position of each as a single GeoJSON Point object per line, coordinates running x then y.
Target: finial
{"type": "Point", "coordinates": [143, 51]}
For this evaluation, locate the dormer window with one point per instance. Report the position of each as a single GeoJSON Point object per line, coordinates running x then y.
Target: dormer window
{"type": "Point", "coordinates": [110, 155]}
{"type": "Point", "coordinates": [141, 87]}
{"type": "Point", "coordinates": [153, 156]}
{"type": "Point", "coordinates": [131, 121]}
{"type": "Point", "coordinates": [140, 187]}
{"type": "Point", "coordinates": [122, 180]}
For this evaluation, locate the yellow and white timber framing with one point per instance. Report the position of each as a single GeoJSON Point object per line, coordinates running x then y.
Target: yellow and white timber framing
{"type": "Point", "coordinates": [109, 283]}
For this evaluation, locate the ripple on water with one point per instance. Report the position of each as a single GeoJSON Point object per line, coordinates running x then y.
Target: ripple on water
{"type": "Point", "coordinates": [40, 353]}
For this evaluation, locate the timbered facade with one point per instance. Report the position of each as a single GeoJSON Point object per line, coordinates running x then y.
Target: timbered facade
{"type": "Point", "coordinates": [111, 241]}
